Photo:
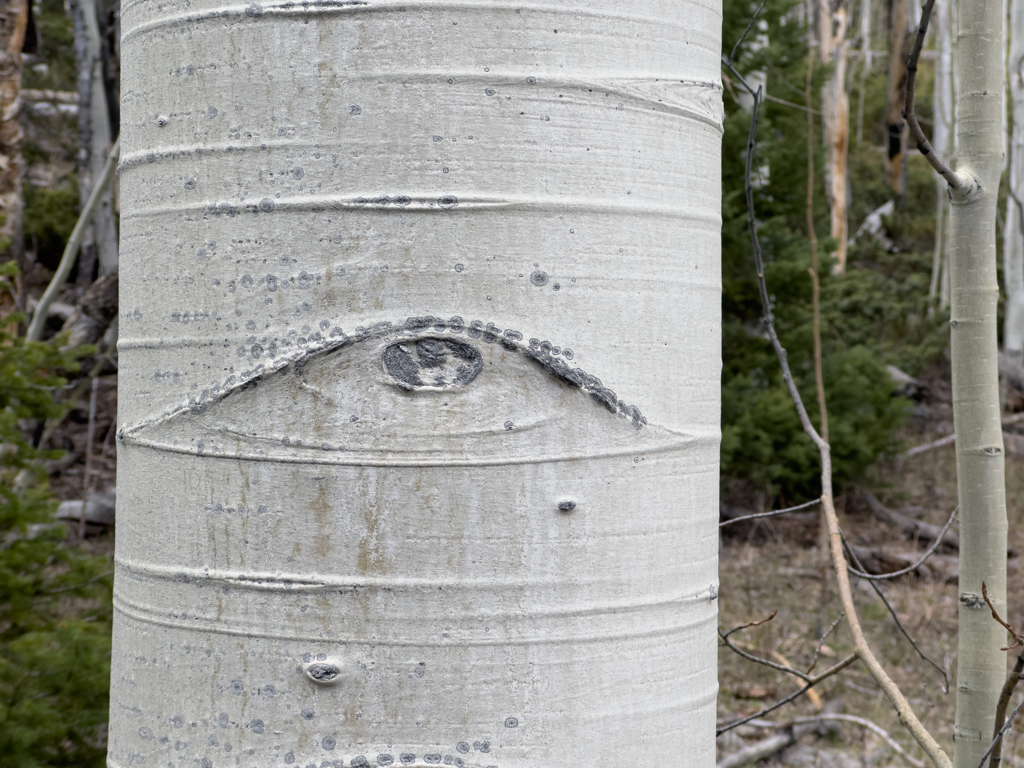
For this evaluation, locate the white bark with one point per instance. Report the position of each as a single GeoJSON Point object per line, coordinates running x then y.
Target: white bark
{"type": "Point", "coordinates": [942, 133]}
{"type": "Point", "coordinates": [865, 63]}
{"type": "Point", "coordinates": [95, 132]}
{"type": "Point", "coordinates": [981, 666]}
{"type": "Point", "coordinates": [835, 110]}
{"type": "Point", "coordinates": [1013, 232]}
{"type": "Point", "coordinates": [484, 554]}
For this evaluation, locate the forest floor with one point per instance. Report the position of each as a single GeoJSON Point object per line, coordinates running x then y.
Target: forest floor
{"type": "Point", "coordinates": [775, 565]}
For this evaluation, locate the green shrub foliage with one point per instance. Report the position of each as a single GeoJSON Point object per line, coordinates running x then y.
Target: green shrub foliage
{"type": "Point", "coordinates": [54, 598]}
{"type": "Point", "coordinates": [875, 315]}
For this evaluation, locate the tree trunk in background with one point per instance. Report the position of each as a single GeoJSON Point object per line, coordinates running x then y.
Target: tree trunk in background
{"type": "Point", "coordinates": [943, 101]}
{"type": "Point", "coordinates": [899, 20]}
{"type": "Point", "coordinates": [866, 62]}
{"type": "Point", "coordinates": [835, 108]}
{"type": "Point", "coordinates": [1013, 230]}
{"type": "Point", "coordinates": [981, 666]}
{"type": "Point", "coordinates": [95, 136]}
{"type": "Point", "coordinates": [13, 22]}
{"type": "Point", "coordinates": [383, 268]}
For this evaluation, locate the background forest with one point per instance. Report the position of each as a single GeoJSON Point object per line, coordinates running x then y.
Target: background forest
{"type": "Point", "coordinates": [885, 367]}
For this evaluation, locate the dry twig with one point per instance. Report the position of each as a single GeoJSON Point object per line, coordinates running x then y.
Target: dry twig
{"type": "Point", "coordinates": [997, 741]}
{"type": "Point", "coordinates": [773, 513]}
{"type": "Point", "coordinates": [996, 749]}
{"type": "Point", "coordinates": [813, 681]}
{"type": "Point", "coordinates": [956, 182]}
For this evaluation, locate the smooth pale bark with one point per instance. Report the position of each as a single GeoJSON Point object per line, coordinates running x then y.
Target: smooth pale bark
{"type": "Point", "coordinates": [981, 665]}
{"type": "Point", "coordinates": [13, 21]}
{"type": "Point", "coordinates": [371, 508]}
{"type": "Point", "coordinates": [942, 135]}
{"type": "Point", "coordinates": [1013, 228]}
{"type": "Point", "coordinates": [95, 137]}
{"type": "Point", "coordinates": [835, 111]}
{"type": "Point", "coordinates": [865, 63]}
{"type": "Point", "coordinates": [899, 20]}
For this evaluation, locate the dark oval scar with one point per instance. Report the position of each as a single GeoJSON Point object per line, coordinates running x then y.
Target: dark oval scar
{"type": "Point", "coordinates": [432, 362]}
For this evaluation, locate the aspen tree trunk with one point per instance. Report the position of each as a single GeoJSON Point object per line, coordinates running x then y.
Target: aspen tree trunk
{"type": "Point", "coordinates": [942, 134]}
{"type": "Point", "coordinates": [419, 376]}
{"type": "Point", "coordinates": [95, 137]}
{"type": "Point", "coordinates": [899, 18]}
{"type": "Point", "coordinates": [981, 666]}
{"type": "Point", "coordinates": [13, 21]}
{"type": "Point", "coordinates": [866, 61]}
{"type": "Point", "coordinates": [1013, 231]}
{"type": "Point", "coordinates": [835, 108]}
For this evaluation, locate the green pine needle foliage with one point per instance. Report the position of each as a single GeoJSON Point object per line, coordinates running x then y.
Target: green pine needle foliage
{"type": "Point", "coordinates": [875, 315]}
{"type": "Point", "coordinates": [54, 598]}
{"type": "Point", "coordinates": [49, 216]}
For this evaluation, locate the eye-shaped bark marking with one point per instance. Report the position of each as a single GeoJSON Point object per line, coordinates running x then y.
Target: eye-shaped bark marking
{"type": "Point", "coordinates": [416, 392]}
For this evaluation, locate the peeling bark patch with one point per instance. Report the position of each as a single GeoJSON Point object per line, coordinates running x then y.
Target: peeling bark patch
{"type": "Point", "coordinates": [432, 362]}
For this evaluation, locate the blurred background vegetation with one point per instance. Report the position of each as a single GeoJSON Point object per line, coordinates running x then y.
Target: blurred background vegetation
{"type": "Point", "coordinates": [874, 315]}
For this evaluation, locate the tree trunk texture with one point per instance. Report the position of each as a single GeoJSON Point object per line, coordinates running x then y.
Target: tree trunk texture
{"type": "Point", "coordinates": [981, 666]}
{"type": "Point", "coordinates": [419, 384]}
{"type": "Point", "coordinates": [835, 108]}
{"type": "Point", "coordinates": [943, 105]}
{"type": "Point", "coordinates": [13, 22]}
{"type": "Point", "coordinates": [899, 20]}
{"type": "Point", "coordinates": [95, 137]}
{"type": "Point", "coordinates": [1013, 228]}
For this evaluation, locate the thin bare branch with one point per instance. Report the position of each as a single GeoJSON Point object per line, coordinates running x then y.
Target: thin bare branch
{"type": "Point", "coordinates": [773, 513]}
{"type": "Point", "coordinates": [794, 105]}
{"type": "Point", "coordinates": [749, 624]}
{"type": "Point", "coordinates": [788, 669]}
{"type": "Point", "coordinates": [750, 24]}
{"type": "Point", "coordinates": [956, 182]}
{"type": "Point", "coordinates": [999, 736]}
{"type": "Point", "coordinates": [67, 260]}
{"type": "Point", "coordinates": [896, 618]}
{"type": "Point", "coordinates": [1003, 704]}
{"type": "Point", "coordinates": [863, 650]}
{"type": "Point", "coordinates": [919, 449]}
{"type": "Point", "coordinates": [792, 697]}
{"type": "Point", "coordinates": [910, 568]}
{"type": "Point", "coordinates": [821, 642]}
{"type": "Point", "coordinates": [1017, 640]}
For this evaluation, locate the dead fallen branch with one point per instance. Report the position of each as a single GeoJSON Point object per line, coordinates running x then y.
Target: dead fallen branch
{"type": "Point", "coordinates": [917, 529]}
{"type": "Point", "coordinates": [801, 726]}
